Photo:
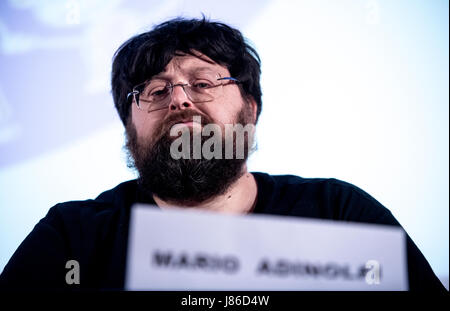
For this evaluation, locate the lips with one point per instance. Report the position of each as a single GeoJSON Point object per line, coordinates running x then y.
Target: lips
{"type": "Point", "coordinates": [184, 119]}
{"type": "Point", "coordinates": [184, 123]}
{"type": "Point", "coordinates": [187, 121]}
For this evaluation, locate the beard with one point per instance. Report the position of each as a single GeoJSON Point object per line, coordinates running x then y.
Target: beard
{"type": "Point", "coordinates": [186, 181]}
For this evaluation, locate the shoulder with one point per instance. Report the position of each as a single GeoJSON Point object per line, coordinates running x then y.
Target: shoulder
{"type": "Point", "coordinates": [318, 188]}
{"type": "Point", "coordinates": [82, 230]}
{"type": "Point", "coordinates": [103, 206]}
{"type": "Point", "coordinates": [319, 184]}
{"type": "Point", "coordinates": [298, 181]}
{"type": "Point", "coordinates": [327, 198]}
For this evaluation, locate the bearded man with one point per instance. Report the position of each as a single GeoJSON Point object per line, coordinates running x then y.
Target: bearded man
{"type": "Point", "coordinates": [175, 88]}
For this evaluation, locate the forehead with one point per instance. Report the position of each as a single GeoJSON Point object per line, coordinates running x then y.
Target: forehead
{"type": "Point", "coordinates": [186, 65]}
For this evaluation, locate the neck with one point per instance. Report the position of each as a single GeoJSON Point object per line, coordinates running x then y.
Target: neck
{"type": "Point", "coordinates": [240, 198]}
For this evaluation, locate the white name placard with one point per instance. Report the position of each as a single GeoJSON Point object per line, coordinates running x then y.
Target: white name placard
{"type": "Point", "coordinates": [181, 249]}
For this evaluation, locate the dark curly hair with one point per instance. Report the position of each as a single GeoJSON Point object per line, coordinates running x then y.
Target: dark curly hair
{"type": "Point", "coordinates": [147, 54]}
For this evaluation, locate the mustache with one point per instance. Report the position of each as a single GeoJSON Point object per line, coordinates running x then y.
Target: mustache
{"type": "Point", "coordinates": [183, 116]}
{"type": "Point", "coordinates": [164, 127]}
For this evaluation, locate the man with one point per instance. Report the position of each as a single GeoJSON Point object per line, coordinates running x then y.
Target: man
{"type": "Point", "coordinates": [169, 85]}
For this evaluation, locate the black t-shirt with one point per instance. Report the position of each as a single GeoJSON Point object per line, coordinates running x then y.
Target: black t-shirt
{"type": "Point", "coordinates": [95, 232]}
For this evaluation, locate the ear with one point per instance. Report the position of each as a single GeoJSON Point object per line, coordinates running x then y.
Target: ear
{"type": "Point", "coordinates": [254, 107]}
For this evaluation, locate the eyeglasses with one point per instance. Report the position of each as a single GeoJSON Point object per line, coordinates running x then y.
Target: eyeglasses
{"type": "Point", "coordinates": [156, 94]}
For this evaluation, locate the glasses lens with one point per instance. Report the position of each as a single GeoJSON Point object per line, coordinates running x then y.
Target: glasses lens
{"type": "Point", "coordinates": [204, 87]}
{"type": "Point", "coordinates": [154, 95]}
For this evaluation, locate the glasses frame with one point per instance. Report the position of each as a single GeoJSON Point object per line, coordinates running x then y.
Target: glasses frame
{"type": "Point", "coordinates": [134, 93]}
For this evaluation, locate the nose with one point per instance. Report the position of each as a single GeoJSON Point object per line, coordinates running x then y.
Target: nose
{"type": "Point", "coordinates": [179, 99]}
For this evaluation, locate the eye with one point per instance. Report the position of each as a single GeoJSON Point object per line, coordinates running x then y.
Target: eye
{"type": "Point", "coordinates": [159, 92]}
{"type": "Point", "coordinates": [202, 84]}
{"type": "Point", "coordinates": [155, 88]}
